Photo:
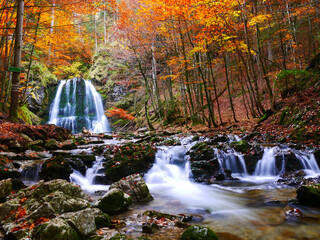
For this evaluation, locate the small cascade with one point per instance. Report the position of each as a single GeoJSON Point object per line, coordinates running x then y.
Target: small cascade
{"type": "Point", "coordinates": [267, 165]}
{"type": "Point", "coordinates": [30, 174]}
{"type": "Point", "coordinates": [307, 160]}
{"type": "Point", "coordinates": [88, 182]}
{"type": "Point", "coordinates": [78, 105]}
{"type": "Point", "coordinates": [171, 165]}
{"type": "Point", "coordinates": [233, 161]}
{"type": "Point", "coordinates": [169, 177]}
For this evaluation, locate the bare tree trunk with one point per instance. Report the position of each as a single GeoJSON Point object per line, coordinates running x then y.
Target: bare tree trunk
{"type": "Point", "coordinates": [13, 114]}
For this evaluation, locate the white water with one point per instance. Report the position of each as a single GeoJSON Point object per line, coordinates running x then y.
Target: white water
{"type": "Point", "coordinates": [172, 181]}
{"type": "Point", "coordinates": [93, 117]}
{"type": "Point", "coordinates": [87, 182]}
{"type": "Point", "coordinates": [267, 165]}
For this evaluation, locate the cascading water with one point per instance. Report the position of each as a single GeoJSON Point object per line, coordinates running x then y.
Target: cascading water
{"type": "Point", "coordinates": [232, 161]}
{"type": "Point", "coordinates": [87, 182]}
{"type": "Point", "coordinates": [169, 177]}
{"type": "Point", "coordinates": [267, 165]}
{"type": "Point", "coordinates": [77, 106]}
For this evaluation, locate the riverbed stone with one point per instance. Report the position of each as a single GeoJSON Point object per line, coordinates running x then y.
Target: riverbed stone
{"type": "Point", "coordinates": [135, 186]}
{"type": "Point", "coordinates": [309, 195]}
{"type": "Point", "coordinates": [196, 232]}
{"type": "Point", "coordinates": [114, 201]}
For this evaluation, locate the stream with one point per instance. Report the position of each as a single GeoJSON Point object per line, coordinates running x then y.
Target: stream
{"type": "Point", "coordinates": [252, 207]}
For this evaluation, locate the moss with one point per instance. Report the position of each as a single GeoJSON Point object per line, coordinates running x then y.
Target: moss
{"type": "Point", "coordinates": [119, 237]}
{"type": "Point", "coordinates": [309, 195]}
{"type": "Point", "coordinates": [55, 168]}
{"type": "Point", "coordinates": [196, 232]}
{"type": "Point", "coordinates": [241, 146]}
{"type": "Point", "coordinates": [128, 159]}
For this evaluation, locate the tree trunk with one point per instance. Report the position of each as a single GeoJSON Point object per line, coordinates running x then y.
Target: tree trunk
{"type": "Point", "coordinates": [13, 114]}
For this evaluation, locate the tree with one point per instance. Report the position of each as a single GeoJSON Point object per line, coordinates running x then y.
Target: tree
{"type": "Point", "coordinates": [13, 114]}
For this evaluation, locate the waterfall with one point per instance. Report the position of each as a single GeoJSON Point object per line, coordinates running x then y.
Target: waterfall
{"type": "Point", "coordinates": [267, 165]}
{"type": "Point", "coordinates": [77, 106]}
{"type": "Point", "coordinates": [233, 161]}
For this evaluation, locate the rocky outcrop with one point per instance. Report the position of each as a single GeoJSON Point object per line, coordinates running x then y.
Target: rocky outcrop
{"type": "Point", "coordinates": [51, 210]}
{"type": "Point", "coordinates": [135, 187]}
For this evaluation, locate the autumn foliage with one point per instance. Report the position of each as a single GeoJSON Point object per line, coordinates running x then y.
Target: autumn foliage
{"type": "Point", "coordinates": [119, 113]}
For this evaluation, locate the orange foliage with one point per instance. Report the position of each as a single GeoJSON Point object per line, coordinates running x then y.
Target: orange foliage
{"type": "Point", "coordinates": [119, 113]}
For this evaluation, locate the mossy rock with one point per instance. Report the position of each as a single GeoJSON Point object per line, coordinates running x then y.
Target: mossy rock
{"type": "Point", "coordinates": [55, 168]}
{"type": "Point", "coordinates": [309, 195]}
{"type": "Point", "coordinates": [241, 146]}
{"type": "Point", "coordinates": [128, 159]}
{"type": "Point", "coordinates": [201, 151]}
{"type": "Point", "coordinates": [114, 201]}
{"type": "Point", "coordinates": [56, 229]}
{"type": "Point", "coordinates": [196, 232]}
{"type": "Point", "coordinates": [52, 144]}
{"type": "Point", "coordinates": [119, 237]}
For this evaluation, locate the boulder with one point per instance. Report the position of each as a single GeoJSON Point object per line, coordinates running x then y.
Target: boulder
{"type": "Point", "coordinates": [55, 168]}
{"type": "Point", "coordinates": [114, 201]}
{"type": "Point", "coordinates": [309, 195]}
{"type": "Point", "coordinates": [128, 159]}
{"type": "Point", "coordinates": [134, 186]}
{"type": "Point", "coordinates": [196, 232]}
{"type": "Point", "coordinates": [5, 188]}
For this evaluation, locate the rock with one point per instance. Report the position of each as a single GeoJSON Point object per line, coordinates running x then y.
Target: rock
{"type": "Point", "coordinates": [5, 188]}
{"type": "Point", "coordinates": [119, 237]}
{"type": "Point", "coordinates": [114, 201]}
{"type": "Point", "coordinates": [82, 221]}
{"type": "Point", "coordinates": [35, 210]}
{"type": "Point", "coordinates": [55, 168]}
{"type": "Point", "coordinates": [134, 186]}
{"type": "Point", "coordinates": [309, 195]}
{"type": "Point", "coordinates": [52, 144]}
{"type": "Point", "coordinates": [86, 159]}
{"type": "Point", "coordinates": [68, 145]}
{"type": "Point", "coordinates": [196, 232]}
{"type": "Point", "coordinates": [101, 219]}
{"type": "Point", "coordinates": [241, 146]}
{"type": "Point", "coordinates": [77, 164]}
{"type": "Point", "coordinates": [128, 159]}
{"type": "Point", "coordinates": [219, 138]}
{"type": "Point", "coordinates": [56, 229]}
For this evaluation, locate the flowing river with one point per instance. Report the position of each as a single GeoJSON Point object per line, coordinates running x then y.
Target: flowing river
{"type": "Point", "coordinates": [252, 207]}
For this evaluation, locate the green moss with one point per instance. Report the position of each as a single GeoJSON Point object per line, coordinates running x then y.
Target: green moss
{"type": "Point", "coordinates": [241, 146]}
{"type": "Point", "coordinates": [309, 195]}
{"type": "Point", "coordinates": [128, 159]}
{"type": "Point", "coordinates": [196, 232]}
